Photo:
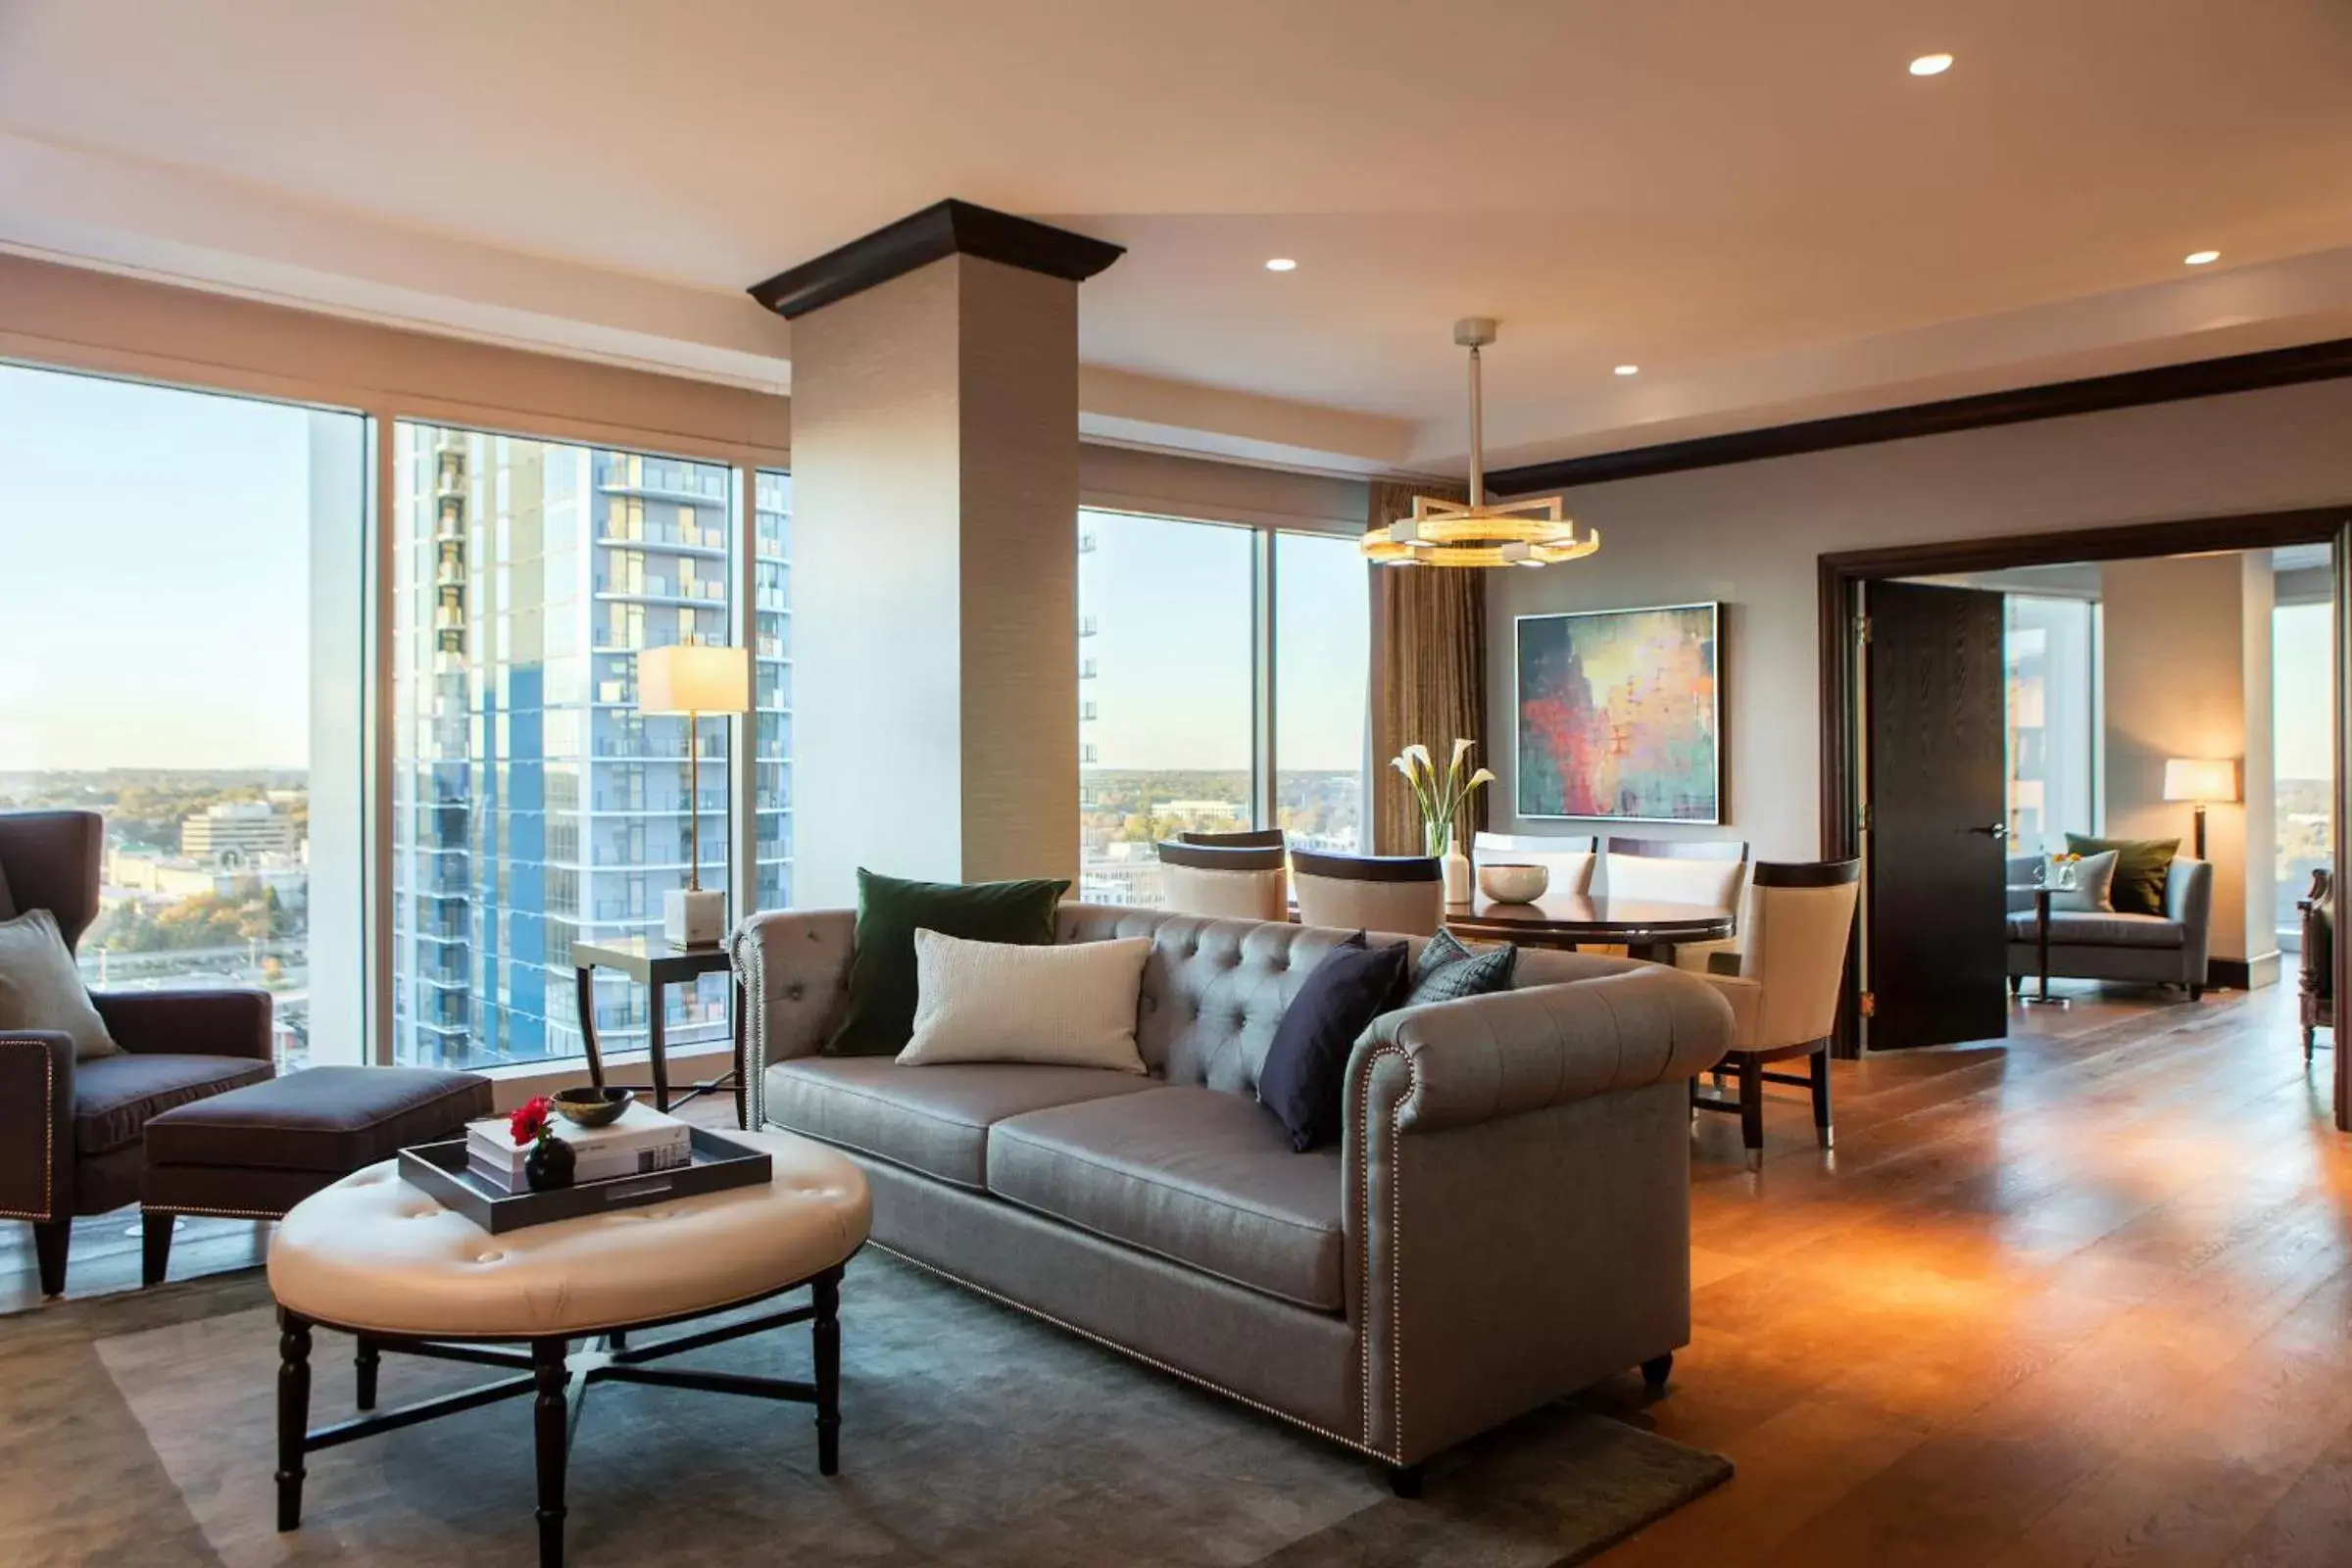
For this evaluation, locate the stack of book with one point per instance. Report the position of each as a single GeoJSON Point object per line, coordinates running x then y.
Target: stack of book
{"type": "Point", "coordinates": [641, 1142]}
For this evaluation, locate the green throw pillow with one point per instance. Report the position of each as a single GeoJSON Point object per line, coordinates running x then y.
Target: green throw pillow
{"type": "Point", "coordinates": [1451, 970]}
{"type": "Point", "coordinates": [2141, 866]}
{"type": "Point", "coordinates": [882, 990]}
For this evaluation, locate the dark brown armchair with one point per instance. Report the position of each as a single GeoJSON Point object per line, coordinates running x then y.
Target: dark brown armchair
{"type": "Point", "coordinates": [2318, 960]}
{"type": "Point", "coordinates": [72, 1134]}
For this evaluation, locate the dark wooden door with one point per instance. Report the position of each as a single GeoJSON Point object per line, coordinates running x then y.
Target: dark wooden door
{"type": "Point", "coordinates": [1937, 827]}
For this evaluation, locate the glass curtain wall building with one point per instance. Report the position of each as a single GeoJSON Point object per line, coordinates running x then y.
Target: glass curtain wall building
{"type": "Point", "coordinates": [532, 804]}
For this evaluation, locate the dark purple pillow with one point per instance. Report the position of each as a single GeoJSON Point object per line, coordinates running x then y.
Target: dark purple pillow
{"type": "Point", "coordinates": [1305, 1071]}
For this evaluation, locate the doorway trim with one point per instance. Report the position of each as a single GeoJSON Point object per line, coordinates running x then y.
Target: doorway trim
{"type": "Point", "coordinates": [1843, 575]}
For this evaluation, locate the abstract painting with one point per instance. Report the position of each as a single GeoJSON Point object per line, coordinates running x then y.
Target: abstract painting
{"type": "Point", "coordinates": [1618, 714]}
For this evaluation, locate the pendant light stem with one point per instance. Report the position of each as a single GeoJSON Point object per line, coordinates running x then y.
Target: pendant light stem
{"type": "Point", "coordinates": [1477, 455]}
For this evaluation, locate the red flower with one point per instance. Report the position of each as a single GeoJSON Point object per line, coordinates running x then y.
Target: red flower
{"type": "Point", "coordinates": [528, 1123]}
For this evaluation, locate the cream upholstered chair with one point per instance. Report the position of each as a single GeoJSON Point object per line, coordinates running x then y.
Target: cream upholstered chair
{"type": "Point", "coordinates": [1784, 985]}
{"type": "Point", "coordinates": [1401, 893]}
{"type": "Point", "coordinates": [1241, 883]}
{"type": "Point", "coordinates": [1569, 858]}
{"type": "Point", "coordinates": [1713, 873]}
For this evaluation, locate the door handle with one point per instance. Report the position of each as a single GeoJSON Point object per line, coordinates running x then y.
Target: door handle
{"type": "Point", "coordinates": [1998, 830]}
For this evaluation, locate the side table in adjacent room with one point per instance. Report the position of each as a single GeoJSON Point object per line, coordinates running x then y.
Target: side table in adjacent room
{"type": "Point", "coordinates": [655, 965]}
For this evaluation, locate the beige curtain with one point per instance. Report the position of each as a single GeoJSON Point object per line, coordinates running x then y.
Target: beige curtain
{"type": "Point", "coordinates": [1429, 659]}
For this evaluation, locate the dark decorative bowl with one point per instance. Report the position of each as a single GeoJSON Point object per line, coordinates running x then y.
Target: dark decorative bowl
{"type": "Point", "coordinates": [592, 1107]}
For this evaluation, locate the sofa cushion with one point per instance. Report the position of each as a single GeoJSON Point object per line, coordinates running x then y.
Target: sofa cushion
{"type": "Point", "coordinates": [890, 910]}
{"type": "Point", "coordinates": [330, 1119]}
{"type": "Point", "coordinates": [42, 988]}
{"type": "Point", "coordinates": [931, 1119]}
{"type": "Point", "coordinates": [2070, 928]}
{"type": "Point", "coordinates": [1308, 1066]}
{"type": "Point", "coordinates": [115, 1096]}
{"type": "Point", "coordinates": [2142, 867]}
{"type": "Point", "coordinates": [1203, 1178]}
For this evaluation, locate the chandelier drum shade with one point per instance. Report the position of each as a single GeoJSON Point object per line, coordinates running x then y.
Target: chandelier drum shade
{"type": "Point", "coordinates": [1479, 532]}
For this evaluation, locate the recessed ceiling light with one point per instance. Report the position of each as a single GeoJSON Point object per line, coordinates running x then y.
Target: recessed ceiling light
{"type": "Point", "coordinates": [1629, 370]}
{"type": "Point", "coordinates": [2202, 258]}
{"type": "Point", "coordinates": [1281, 263]}
{"type": "Point", "coordinates": [1931, 65]}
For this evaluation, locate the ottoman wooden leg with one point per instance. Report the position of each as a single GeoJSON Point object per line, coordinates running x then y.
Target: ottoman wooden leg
{"type": "Point", "coordinates": [552, 1427]}
{"type": "Point", "coordinates": [155, 1246]}
{"type": "Point", "coordinates": [825, 1330]}
{"type": "Point", "coordinates": [363, 1364]}
{"type": "Point", "coordinates": [293, 1413]}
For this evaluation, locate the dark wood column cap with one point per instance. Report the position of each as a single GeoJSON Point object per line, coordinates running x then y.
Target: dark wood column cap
{"type": "Point", "coordinates": [945, 228]}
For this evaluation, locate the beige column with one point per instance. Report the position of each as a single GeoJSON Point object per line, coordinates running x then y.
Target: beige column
{"type": "Point", "coordinates": [935, 490]}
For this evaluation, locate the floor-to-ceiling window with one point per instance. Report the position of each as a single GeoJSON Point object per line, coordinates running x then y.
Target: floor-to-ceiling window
{"type": "Point", "coordinates": [1176, 620]}
{"type": "Point", "coordinates": [180, 573]}
{"type": "Point", "coordinates": [2050, 646]}
{"type": "Point", "coordinates": [2303, 717]}
{"type": "Point", "coordinates": [771, 668]}
{"type": "Point", "coordinates": [532, 804]}
{"type": "Point", "coordinates": [1322, 683]}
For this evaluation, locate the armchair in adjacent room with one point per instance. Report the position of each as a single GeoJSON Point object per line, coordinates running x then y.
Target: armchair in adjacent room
{"type": "Point", "coordinates": [72, 1131]}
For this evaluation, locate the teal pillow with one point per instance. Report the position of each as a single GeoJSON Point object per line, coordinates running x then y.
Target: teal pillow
{"type": "Point", "coordinates": [1451, 970]}
{"type": "Point", "coordinates": [882, 988]}
{"type": "Point", "coordinates": [2141, 868]}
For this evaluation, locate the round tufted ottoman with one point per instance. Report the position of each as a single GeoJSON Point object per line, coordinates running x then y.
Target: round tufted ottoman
{"type": "Point", "coordinates": [382, 1261]}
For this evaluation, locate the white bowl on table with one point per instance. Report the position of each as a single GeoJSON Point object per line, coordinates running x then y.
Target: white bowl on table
{"type": "Point", "coordinates": [1507, 882]}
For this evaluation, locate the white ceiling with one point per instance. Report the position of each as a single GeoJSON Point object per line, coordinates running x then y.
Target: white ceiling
{"type": "Point", "coordinates": [1754, 202]}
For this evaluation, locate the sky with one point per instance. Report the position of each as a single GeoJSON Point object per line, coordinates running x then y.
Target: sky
{"type": "Point", "coordinates": [154, 576]}
{"type": "Point", "coordinates": [1172, 609]}
{"type": "Point", "coordinates": [2299, 691]}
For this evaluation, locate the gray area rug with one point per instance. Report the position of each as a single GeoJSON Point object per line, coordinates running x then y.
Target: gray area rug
{"type": "Point", "coordinates": [138, 1430]}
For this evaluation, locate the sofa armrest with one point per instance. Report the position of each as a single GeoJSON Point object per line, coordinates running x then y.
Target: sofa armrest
{"type": "Point", "coordinates": [794, 967]}
{"type": "Point", "coordinates": [36, 1124]}
{"type": "Point", "coordinates": [1483, 1058]}
{"type": "Point", "coordinates": [2188, 898]}
{"type": "Point", "coordinates": [190, 1023]}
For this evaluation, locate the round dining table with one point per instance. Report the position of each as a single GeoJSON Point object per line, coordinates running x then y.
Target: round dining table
{"type": "Point", "coordinates": [1646, 928]}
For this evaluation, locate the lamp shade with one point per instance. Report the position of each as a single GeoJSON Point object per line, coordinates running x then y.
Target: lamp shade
{"type": "Point", "coordinates": [694, 678]}
{"type": "Point", "coordinates": [2200, 778]}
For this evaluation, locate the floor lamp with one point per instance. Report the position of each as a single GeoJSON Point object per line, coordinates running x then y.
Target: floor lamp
{"type": "Point", "coordinates": [2204, 780]}
{"type": "Point", "coordinates": [694, 679]}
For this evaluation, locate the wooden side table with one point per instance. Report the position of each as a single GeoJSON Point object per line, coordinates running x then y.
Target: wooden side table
{"type": "Point", "coordinates": [655, 965]}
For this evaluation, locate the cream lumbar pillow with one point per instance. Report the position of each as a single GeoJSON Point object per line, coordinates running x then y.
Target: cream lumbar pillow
{"type": "Point", "coordinates": [40, 989]}
{"type": "Point", "coordinates": [1070, 1006]}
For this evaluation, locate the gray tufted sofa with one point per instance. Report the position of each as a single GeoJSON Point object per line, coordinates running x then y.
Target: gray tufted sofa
{"type": "Point", "coordinates": [1506, 1218]}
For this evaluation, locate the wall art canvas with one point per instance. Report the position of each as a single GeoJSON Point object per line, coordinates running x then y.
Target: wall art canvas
{"type": "Point", "coordinates": [1619, 714]}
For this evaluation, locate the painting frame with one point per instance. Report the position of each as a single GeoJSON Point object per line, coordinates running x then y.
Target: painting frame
{"type": "Point", "coordinates": [1713, 639]}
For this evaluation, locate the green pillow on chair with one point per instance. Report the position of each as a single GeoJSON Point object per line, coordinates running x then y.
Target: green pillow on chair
{"type": "Point", "coordinates": [882, 988]}
{"type": "Point", "coordinates": [2141, 867]}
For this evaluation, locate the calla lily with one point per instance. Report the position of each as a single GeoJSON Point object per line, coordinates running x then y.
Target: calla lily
{"type": "Point", "coordinates": [1402, 765]}
{"type": "Point", "coordinates": [1419, 753]}
{"type": "Point", "coordinates": [1461, 749]}
{"type": "Point", "coordinates": [1485, 775]}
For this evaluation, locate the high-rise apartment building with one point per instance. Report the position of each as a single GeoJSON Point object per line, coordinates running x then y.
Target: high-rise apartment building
{"type": "Point", "coordinates": [533, 805]}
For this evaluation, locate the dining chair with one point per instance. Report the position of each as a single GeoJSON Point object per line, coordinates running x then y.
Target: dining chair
{"type": "Point", "coordinates": [1244, 882]}
{"type": "Point", "coordinates": [1401, 893]}
{"type": "Point", "coordinates": [1706, 871]}
{"type": "Point", "coordinates": [1784, 984]}
{"type": "Point", "coordinates": [1569, 858]}
{"type": "Point", "coordinates": [1255, 838]}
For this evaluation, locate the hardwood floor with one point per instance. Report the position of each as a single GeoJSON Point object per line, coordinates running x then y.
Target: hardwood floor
{"type": "Point", "coordinates": [2082, 1297]}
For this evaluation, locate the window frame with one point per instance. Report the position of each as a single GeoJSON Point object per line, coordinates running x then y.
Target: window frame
{"type": "Point", "coordinates": [1265, 681]}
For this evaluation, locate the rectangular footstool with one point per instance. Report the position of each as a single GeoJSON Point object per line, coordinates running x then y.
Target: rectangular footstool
{"type": "Point", "coordinates": [254, 1152]}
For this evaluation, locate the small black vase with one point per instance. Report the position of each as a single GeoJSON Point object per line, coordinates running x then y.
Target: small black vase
{"type": "Point", "coordinates": [550, 1165]}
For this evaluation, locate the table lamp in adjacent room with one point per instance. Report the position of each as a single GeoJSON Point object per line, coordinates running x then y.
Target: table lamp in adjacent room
{"type": "Point", "coordinates": [2205, 780]}
{"type": "Point", "coordinates": [694, 679]}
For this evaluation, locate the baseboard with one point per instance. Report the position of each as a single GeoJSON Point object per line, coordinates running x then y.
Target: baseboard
{"type": "Point", "coordinates": [2243, 974]}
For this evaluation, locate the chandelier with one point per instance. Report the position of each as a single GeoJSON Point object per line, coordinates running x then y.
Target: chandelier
{"type": "Point", "coordinates": [1479, 533]}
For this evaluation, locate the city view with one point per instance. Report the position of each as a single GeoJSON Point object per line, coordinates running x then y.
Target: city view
{"type": "Point", "coordinates": [206, 881]}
